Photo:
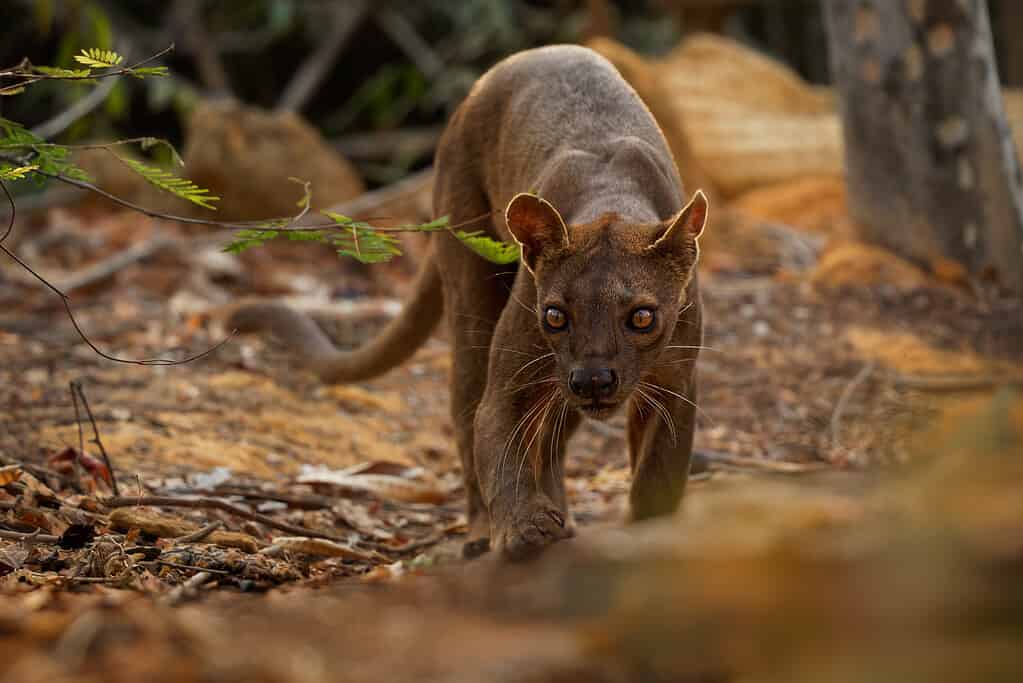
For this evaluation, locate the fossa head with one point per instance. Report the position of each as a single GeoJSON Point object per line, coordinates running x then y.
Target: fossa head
{"type": "Point", "coordinates": [609, 294]}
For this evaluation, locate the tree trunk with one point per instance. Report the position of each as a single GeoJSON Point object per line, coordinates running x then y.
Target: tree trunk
{"type": "Point", "coordinates": [930, 162]}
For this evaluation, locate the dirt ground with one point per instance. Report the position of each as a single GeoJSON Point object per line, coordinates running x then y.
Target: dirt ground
{"type": "Point", "coordinates": [268, 528]}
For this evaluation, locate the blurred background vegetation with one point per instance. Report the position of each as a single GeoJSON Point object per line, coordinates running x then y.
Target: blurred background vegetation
{"type": "Point", "coordinates": [392, 65]}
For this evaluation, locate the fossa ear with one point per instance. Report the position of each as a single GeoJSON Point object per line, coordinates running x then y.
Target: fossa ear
{"type": "Point", "coordinates": [687, 225]}
{"type": "Point", "coordinates": [536, 225]}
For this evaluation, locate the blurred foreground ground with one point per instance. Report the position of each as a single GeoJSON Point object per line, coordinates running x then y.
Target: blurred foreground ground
{"type": "Point", "coordinates": [824, 538]}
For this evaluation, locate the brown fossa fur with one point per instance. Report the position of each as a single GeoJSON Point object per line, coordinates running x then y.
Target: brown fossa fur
{"type": "Point", "coordinates": [603, 235]}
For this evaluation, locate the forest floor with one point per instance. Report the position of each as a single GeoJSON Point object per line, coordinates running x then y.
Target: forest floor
{"type": "Point", "coordinates": [269, 528]}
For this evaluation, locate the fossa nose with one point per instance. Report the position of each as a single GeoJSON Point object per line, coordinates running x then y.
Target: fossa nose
{"type": "Point", "coordinates": [593, 383]}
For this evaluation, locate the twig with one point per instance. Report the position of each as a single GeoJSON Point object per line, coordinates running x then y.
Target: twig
{"type": "Point", "coordinates": [77, 386]}
{"type": "Point", "coordinates": [217, 504]}
{"type": "Point", "coordinates": [76, 461]}
{"type": "Point", "coordinates": [14, 211]}
{"type": "Point", "coordinates": [373, 200]}
{"type": "Point", "coordinates": [762, 464]}
{"type": "Point", "coordinates": [190, 24]}
{"type": "Point", "coordinates": [309, 502]}
{"type": "Point", "coordinates": [403, 143]}
{"type": "Point", "coordinates": [843, 400]}
{"type": "Point", "coordinates": [345, 19]}
{"type": "Point", "coordinates": [98, 272]}
{"type": "Point", "coordinates": [66, 300]}
{"type": "Point", "coordinates": [189, 588]}
{"type": "Point", "coordinates": [35, 537]}
{"type": "Point", "coordinates": [83, 107]}
{"type": "Point", "coordinates": [411, 43]}
{"type": "Point", "coordinates": [199, 535]}
{"type": "Point", "coordinates": [30, 77]}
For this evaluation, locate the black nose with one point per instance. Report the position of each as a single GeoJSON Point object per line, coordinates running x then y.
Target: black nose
{"type": "Point", "coordinates": [593, 382]}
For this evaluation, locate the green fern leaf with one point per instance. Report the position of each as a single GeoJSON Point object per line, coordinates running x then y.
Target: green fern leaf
{"type": "Point", "coordinates": [99, 59]}
{"type": "Point", "coordinates": [490, 249]}
{"type": "Point", "coordinates": [59, 72]}
{"type": "Point", "coordinates": [306, 235]}
{"type": "Point", "coordinates": [247, 239]}
{"type": "Point", "coordinates": [143, 71]}
{"type": "Point", "coordinates": [182, 188]}
{"type": "Point", "coordinates": [16, 173]}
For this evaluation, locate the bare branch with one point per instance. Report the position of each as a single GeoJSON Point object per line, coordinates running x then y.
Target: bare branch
{"type": "Point", "coordinates": [345, 19]}
{"type": "Point", "coordinates": [83, 107]}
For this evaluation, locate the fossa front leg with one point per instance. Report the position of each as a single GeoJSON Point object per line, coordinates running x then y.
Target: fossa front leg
{"type": "Point", "coordinates": [659, 450]}
{"type": "Point", "coordinates": [520, 484]}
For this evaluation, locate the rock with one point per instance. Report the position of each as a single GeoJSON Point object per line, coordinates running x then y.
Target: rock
{"type": "Point", "coordinates": [854, 264]}
{"type": "Point", "coordinates": [246, 155]}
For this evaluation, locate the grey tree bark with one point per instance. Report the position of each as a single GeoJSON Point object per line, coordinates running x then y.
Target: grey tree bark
{"type": "Point", "coordinates": [930, 163]}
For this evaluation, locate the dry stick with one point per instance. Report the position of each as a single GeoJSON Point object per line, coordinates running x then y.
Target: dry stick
{"type": "Point", "coordinates": [187, 15]}
{"type": "Point", "coordinates": [843, 400]}
{"type": "Point", "coordinates": [762, 464]}
{"type": "Point", "coordinates": [83, 107]}
{"type": "Point", "coordinates": [199, 535]}
{"type": "Point", "coordinates": [77, 386]}
{"type": "Point", "coordinates": [189, 588]}
{"type": "Point", "coordinates": [386, 144]}
{"type": "Point", "coordinates": [76, 461]}
{"type": "Point", "coordinates": [398, 28]}
{"type": "Point", "coordinates": [108, 267]}
{"type": "Point", "coordinates": [66, 300]}
{"type": "Point", "coordinates": [217, 504]}
{"type": "Point", "coordinates": [35, 537]}
{"type": "Point", "coordinates": [345, 19]}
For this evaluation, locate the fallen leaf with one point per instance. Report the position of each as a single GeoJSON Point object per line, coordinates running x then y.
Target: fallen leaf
{"type": "Point", "coordinates": [64, 462]}
{"type": "Point", "coordinates": [9, 474]}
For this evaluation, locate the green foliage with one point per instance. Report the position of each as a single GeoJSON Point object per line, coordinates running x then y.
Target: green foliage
{"type": "Point", "coordinates": [349, 237]}
{"type": "Point", "coordinates": [182, 188]}
{"type": "Point", "coordinates": [45, 158]}
{"type": "Point", "coordinates": [490, 249]}
{"type": "Point", "coordinates": [15, 172]}
{"type": "Point", "coordinates": [99, 59]}
{"type": "Point", "coordinates": [365, 243]}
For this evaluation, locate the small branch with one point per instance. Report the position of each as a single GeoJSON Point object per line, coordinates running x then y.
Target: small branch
{"type": "Point", "coordinates": [187, 17]}
{"type": "Point", "coordinates": [35, 537]}
{"type": "Point", "coordinates": [200, 534]}
{"type": "Point", "coordinates": [83, 107]}
{"type": "Point", "coordinates": [402, 143]}
{"type": "Point", "coordinates": [189, 588]}
{"type": "Point", "coordinates": [76, 464]}
{"type": "Point", "coordinates": [345, 19]}
{"type": "Point", "coordinates": [77, 386]}
{"type": "Point", "coordinates": [98, 272]}
{"type": "Point", "coordinates": [14, 211]}
{"type": "Point", "coordinates": [374, 200]}
{"type": "Point", "coordinates": [30, 77]}
{"type": "Point", "coordinates": [762, 464]}
{"type": "Point", "coordinates": [217, 504]}
{"type": "Point", "coordinates": [411, 43]}
{"type": "Point", "coordinates": [843, 400]}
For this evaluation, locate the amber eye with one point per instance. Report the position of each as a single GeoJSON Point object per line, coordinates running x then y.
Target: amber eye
{"type": "Point", "coordinates": [642, 319]}
{"type": "Point", "coordinates": [554, 318]}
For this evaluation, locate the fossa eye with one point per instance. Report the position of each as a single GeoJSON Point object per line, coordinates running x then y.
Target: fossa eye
{"type": "Point", "coordinates": [642, 319]}
{"type": "Point", "coordinates": [555, 319]}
